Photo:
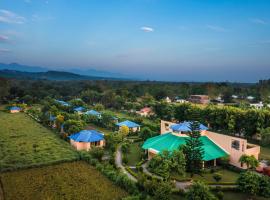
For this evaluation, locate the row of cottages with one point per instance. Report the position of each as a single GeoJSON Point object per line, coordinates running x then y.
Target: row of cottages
{"type": "Point", "coordinates": [215, 145]}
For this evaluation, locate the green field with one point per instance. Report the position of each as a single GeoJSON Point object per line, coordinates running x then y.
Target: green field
{"type": "Point", "coordinates": [24, 143]}
{"type": "Point", "coordinates": [76, 180]}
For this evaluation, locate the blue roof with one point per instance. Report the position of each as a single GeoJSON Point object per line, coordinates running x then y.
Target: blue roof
{"type": "Point", "coordinates": [14, 108]}
{"type": "Point", "coordinates": [62, 102]}
{"type": "Point", "coordinates": [52, 118]}
{"type": "Point", "coordinates": [79, 109]}
{"type": "Point", "coordinates": [128, 123]}
{"type": "Point", "coordinates": [87, 136]}
{"type": "Point", "coordinates": [93, 112]}
{"type": "Point", "coordinates": [186, 127]}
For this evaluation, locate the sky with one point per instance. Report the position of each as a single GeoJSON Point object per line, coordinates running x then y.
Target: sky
{"type": "Point", "coordinates": [172, 40]}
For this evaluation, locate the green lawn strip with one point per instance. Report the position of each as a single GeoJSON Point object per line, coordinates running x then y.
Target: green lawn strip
{"type": "Point", "coordinates": [265, 153]}
{"type": "Point", "coordinates": [75, 180]}
{"type": "Point", "coordinates": [134, 154]}
{"type": "Point", "coordinates": [103, 130]}
{"type": "Point", "coordinates": [227, 176]}
{"type": "Point", "coordinates": [26, 143]}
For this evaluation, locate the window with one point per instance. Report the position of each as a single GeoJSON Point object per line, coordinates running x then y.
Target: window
{"type": "Point", "coordinates": [167, 126]}
{"type": "Point", "coordinates": [236, 144]}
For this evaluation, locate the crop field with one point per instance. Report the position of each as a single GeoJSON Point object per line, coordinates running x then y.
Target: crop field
{"type": "Point", "coordinates": [75, 180]}
{"type": "Point", "coordinates": [26, 143]}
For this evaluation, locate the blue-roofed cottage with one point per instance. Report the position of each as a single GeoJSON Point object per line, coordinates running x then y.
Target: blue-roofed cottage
{"type": "Point", "coordinates": [133, 127]}
{"type": "Point", "coordinates": [86, 139]}
{"type": "Point", "coordinates": [93, 113]}
{"type": "Point", "coordinates": [79, 110]}
{"type": "Point", "coordinates": [14, 109]}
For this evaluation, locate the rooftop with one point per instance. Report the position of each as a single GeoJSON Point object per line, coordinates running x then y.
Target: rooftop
{"type": "Point", "coordinates": [172, 142]}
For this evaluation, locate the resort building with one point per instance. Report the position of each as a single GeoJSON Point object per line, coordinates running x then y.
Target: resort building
{"type": "Point", "coordinates": [14, 109]}
{"type": "Point", "coordinates": [86, 139]}
{"type": "Point", "coordinates": [133, 127]}
{"type": "Point", "coordinates": [93, 113]}
{"type": "Point", "coordinates": [200, 99]}
{"type": "Point", "coordinates": [215, 145]}
{"type": "Point", "coordinates": [168, 100]}
{"type": "Point", "coordinates": [145, 112]}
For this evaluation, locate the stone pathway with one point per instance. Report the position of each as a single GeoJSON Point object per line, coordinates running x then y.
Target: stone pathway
{"type": "Point", "coordinates": [118, 163]}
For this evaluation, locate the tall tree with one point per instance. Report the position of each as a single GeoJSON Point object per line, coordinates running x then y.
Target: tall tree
{"type": "Point", "coordinates": [193, 148]}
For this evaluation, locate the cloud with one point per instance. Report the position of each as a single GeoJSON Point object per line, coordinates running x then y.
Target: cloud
{"type": "Point", "coordinates": [4, 38]}
{"type": "Point", "coordinates": [38, 18]}
{"type": "Point", "coordinates": [258, 21]}
{"type": "Point", "coordinates": [147, 29]}
{"type": "Point", "coordinates": [217, 28]}
{"type": "Point", "coordinates": [7, 16]}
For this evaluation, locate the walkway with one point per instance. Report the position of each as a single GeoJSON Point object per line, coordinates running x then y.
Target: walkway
{"type": "Point", "coordinates": [118, 163]}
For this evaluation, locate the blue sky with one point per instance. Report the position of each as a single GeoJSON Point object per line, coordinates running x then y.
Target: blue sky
{"type": "Point", "coordinates": [175, 40]}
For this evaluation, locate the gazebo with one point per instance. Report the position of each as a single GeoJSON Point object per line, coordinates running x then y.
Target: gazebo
{"type": "Point", "coordinates": [86, 139]}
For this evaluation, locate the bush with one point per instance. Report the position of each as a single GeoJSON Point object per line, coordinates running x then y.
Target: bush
{"type": "Point", "coordinates": [220, 195]}
{"type": "Point", "coordinates": [97, 153]}
{"type": "Point", "coordinates": [217, 177]}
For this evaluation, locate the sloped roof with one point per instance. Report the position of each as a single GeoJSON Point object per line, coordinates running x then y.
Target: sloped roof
{"type": "Point", "coordinates": [87, 136]}
{"type": "Point", "coordinates": [14, 108]}
{"type": "Point", "coordinates": [186, 127]}
{"type": "Point", "coordinates": [93, 112]}
{"type": "Point", "coordinates": [172, 142]}
{"type": "Point", "coordinates": [78, 109]}
{"type": "Point", "coordinates": [128, 123]}
{"type": "Point", "coordinates": [62, 103]}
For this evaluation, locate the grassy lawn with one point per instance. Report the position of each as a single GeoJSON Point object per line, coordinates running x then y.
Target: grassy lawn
{"type": "Point", "coordinates": [103, 130]}
{"type": "Point", "coordinates": [134, 156]}
{"type": "Point", "coordinates": [76, 180]}
{"type": "Point", "coordinates": [240, 196]}
{"type": "Point", "coordinates": [265, 153]}
{"type": "Point", "coordinates": [227, 176]}
{"type": "Point", "coordinates": [24, 142]}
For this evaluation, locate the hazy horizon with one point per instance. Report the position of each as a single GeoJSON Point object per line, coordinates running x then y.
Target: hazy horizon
{"type": "Point", "coordinates": [178, 40]}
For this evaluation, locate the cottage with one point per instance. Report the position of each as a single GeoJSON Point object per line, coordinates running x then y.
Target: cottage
{"type": "Point", "coordinates": [86, 139]}
{"type": "Point", "coordinates": [215, 145]}
{"type": "Point", "coordinates": [145, 112]}
{"type": "Point", "coordinates": [168, 100]}
{"type": "Point", "coordinates": [200, 99]}
{"type": "Point", "coordinates": [133, 127]}
{"type": "Point", "coordinates": [14, 109]}
{"type": "Point", "coordinates": [63, 103]}
{"type": "Point", "coordinates": [93, 113]}
{"type": "Point", "coordinates": [79, 110]}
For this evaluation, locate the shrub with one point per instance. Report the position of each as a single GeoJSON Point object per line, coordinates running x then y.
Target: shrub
{"type": "Point", "coordinates": [217, 177]}
{"type": "Point", "coordinates": [97, 153]}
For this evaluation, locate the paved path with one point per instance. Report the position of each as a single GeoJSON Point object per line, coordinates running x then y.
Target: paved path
{"type": "Point", "coordinates": [118, 163]}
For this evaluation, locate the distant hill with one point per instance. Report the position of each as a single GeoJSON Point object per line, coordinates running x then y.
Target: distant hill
{"type": "Point", "coordinates": [49, 75]}
{"type": "Point", "coordinates": [76, 70]}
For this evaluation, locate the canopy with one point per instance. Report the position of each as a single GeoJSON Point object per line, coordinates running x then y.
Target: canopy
{"type": "Point", "coordinates": [128, 123]}
{"type": "Point", "coordinates": [172, 142]}
{"type": "Point", "coordinates": [186, 127]}
{"type": "Point", "coordinates": [87, 136]}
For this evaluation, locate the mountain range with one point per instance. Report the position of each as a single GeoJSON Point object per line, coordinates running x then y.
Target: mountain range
{"type": "Point", "coordinates": [75, 70]}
